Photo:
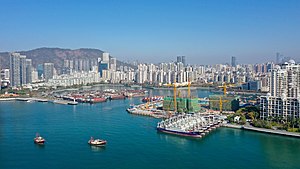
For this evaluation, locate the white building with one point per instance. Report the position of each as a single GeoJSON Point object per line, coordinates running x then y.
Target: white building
{"type": "Point", "coordinates": [283, 99]}
{"type": "Point", "coordinates": [76, 78]}
{"type": "Point", "coordinates": [105, 57]}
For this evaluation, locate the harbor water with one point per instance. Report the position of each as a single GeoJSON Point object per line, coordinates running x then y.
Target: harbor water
{"type": "Point", "coordinates": [133, 141]}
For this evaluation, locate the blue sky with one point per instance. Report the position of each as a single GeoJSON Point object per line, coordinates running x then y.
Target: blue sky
{"type": "Point", "coordinates": [206, 32]}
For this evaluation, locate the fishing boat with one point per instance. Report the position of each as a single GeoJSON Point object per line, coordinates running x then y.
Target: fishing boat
{"type": "Point", "coordinates": [96, 142]}
{"type": "Point", "coordinates": [38, 139]}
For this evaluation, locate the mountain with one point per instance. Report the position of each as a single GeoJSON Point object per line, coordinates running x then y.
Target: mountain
{"type": "Point", "coordinates": [56, 56]}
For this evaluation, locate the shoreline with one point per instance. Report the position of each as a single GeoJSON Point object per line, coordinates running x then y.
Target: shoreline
{"type": "Point", "coordinates": [263, 130]}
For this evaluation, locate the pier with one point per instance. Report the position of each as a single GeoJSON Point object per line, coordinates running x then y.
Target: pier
{"type": "Point", "coordinates": [192, 125]}
{"type": "Point", "coordinates": [270, 131]}
{"type": "Point", "coordinates": [262, 130]}
{"type": "Point", "coordinates": [148, 109]}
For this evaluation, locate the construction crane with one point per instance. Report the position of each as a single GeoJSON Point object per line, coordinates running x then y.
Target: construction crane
{"type": "Point", "coordinates": [179, 93]}
{"type": "Point", "coordinates": [224, 86]}
{"type": "Point", "coordinates": [175, 93]}
{"type": "Point", "coordinates": [221, 101]}
{"type": "Point", "coordinates": [189, 89]}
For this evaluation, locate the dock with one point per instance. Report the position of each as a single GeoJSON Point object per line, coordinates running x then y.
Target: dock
{"type": "Point", "coordinates": [270, 131]}
{"type": "Point", "coordinates": [191, 125]}
{"type": "Point", "coordinates": [148, 109]}
{"type": "Point", "coordinates": [262, 130]}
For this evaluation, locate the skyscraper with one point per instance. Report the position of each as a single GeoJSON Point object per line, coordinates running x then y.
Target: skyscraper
{"type": "Point", "coordinates": [48, 71]}
{"type": "Point", "coordinates": [278, 58]}
{"type": "Point", "coordinates": [22, 69]}
{"type": "Point", "coordinates": [105, 57]}
{"type": "Point", "coordinates": [183, 60]}
{"type": "Point", "coordinates": [285, 80]}
{"type": "Point", "coordinates": [233, 61]}
{"type": "Point", "coordinates": [14, 67]}
{"type": "Point", "coordinates": [284, 97]}
{"type": "Point", "coordinates": [113, 64]}
{"type": "Point", "coordinates": [179, 59]}
{"type": "Point", "coordinates": [102, 66]}
{"type": "Point", "coordinates": [28, 71]}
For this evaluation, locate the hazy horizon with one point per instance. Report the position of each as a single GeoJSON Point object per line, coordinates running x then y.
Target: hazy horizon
{"type": "Point", "coordinates": [206, 32]}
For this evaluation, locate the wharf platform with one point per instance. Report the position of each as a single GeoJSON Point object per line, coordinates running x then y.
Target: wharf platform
{"type": "Point", "coordinates": [278, 132]}
{"type": "Point", "coordinates": [263, 130]}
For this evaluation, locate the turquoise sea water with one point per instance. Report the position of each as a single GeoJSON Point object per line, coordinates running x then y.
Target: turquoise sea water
{"type": "Point", "coordinates": [132, 141]}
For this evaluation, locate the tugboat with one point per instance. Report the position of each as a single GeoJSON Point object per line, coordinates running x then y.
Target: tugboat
{"type": "Point", "coordinates": [38, 139]}
{"type": "Point", "coordinates": [96, 142]}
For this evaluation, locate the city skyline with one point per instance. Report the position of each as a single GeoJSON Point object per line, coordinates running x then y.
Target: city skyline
{"type": "Point", "coordinates": [206, 32]}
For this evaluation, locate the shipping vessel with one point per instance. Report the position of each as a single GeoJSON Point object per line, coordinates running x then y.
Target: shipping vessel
{"type": "Point", "coordinates": [97, 100]}
{"type": "Point", "coordinates": [116, 97]}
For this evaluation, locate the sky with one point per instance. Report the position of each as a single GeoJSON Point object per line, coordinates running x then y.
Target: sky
{"type": "Point", "coordinates": [205, 31]}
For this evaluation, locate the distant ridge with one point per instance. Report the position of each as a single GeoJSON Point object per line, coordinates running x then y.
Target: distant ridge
{"type": "Point", "coordinates": [56, 56]}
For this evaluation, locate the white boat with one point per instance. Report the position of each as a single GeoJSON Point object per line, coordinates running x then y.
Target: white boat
{"type": "Point", "coordinates": [38, 139]}
{"type": "Point", "coordinates": [96, 142]}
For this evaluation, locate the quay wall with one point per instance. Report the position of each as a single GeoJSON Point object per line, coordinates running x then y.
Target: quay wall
{"type": "Point", "coordinates": [269, 131]}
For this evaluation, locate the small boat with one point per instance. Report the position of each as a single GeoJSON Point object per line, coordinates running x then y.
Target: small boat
{"type": "Point", "coordinates": [38, 139]}
{"type": "Point", "coordinates": [96, 142]}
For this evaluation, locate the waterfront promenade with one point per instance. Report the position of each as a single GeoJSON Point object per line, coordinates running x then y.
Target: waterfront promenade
{"type": "Point", "coordinates": [263, 130]}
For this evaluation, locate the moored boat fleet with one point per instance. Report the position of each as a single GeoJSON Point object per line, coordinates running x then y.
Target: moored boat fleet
{"type": "Point", "coordinates": [191, 125]}
{"type": "Point", "coordinates": [100, 96]}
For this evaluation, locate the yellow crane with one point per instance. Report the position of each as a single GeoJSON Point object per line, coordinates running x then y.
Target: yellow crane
{"type": "Point", "coordinates": [221, 101]}
{"type": "Point", "coordinates": [179, 93]}
{"type": "Point", "coordinates": [189, 89]}
{"type": "Point", "coordinates": [175, 93]}
{"type": "Point", "coordinates": [224, 86]}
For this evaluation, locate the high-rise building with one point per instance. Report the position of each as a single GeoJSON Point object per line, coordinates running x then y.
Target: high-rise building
{"type": "Point", "coordinates": [113, 64]}
{"type": "Point", "coordinates": [48, 71]}
{"type": "Point", "coordinates": [285, 80]}
{"type": "Point", "coordinates": [23, 69]}
{"type": "Point", "coordinates": [28, 71]}
{"type": "Point", "coordinates": [102, 66]}
{"type": "Point", "coordinates": [34, 75]}
{"type": "Point", "coordinates": [40, 70]}
{"type": "Point", "coordinates": [15, 69]}
{"type": "Point", "coordinates": [179, 59]}
{"type": "Point", "coordinates": [105, 57]}
{"type": "Point", "coordinates": [233, 61]}
{"type": "Point", "coordinates": [284, 97]}
{"type": "Point", "coordinates": [278, 58]}
{"type": "Point", "coordinates": [5, 74]}
{"type": "Point", "coordinates": [183, 60]}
